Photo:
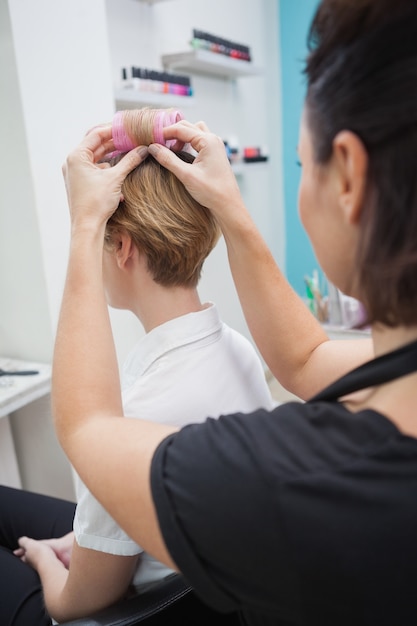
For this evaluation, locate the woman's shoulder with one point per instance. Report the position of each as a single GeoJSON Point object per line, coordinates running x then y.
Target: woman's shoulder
{"type": "Point", "coordinates": [326, 436]}
{"type": "Point", "coordinates": [293, 440]}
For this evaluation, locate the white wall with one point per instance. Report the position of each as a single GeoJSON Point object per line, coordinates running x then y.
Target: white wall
{"type": "Point", "coordinates": [60, 62]}
{"type": "Point", "coordinates": [58, 84]}
{"type": "Point", "coordinates": [248, 108]}
{"type": "Point", "coordinates": [25, 326]}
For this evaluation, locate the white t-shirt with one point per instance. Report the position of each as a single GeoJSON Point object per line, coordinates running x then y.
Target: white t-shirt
{"type": "Point", "coordinates": [190, 368]}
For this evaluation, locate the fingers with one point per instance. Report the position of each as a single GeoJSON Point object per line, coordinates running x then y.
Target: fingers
{"type": "Point", "coordinates": [104, 125]}
{"type": "Point", "coordinates": [131, 160]}
{"type": "Point", "coordinates": [23, 541]}
{"type": "Point", "coordinates": [96, 137]}
{"type": "Point", "coordinates": [19, 552]}
{"type": "Point", "coordinates": [194, 134]}
{"type": "Point", "coordinates": [103, 150]}
{"type": "Point", "coordinates": [168, 159]}
{"type": "Point", "coordinates": [203, 126]}
{"type": "Point", "coordinates": [98, 141]}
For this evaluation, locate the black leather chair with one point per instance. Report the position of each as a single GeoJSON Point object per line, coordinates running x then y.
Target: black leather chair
{"type": "Point", "coordinates": [170, 601]}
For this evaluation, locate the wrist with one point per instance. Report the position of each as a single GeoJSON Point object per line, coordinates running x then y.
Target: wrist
{"type": "Point", "coordinates": [88, 226]}
{"type": "Point", "coordinates": [43, 561]}
{"type": "Point", "coordinates": [235, 218]}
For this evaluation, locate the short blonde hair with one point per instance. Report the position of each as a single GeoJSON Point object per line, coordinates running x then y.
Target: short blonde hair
{"type": "Point", "coordinates": [175, 232]}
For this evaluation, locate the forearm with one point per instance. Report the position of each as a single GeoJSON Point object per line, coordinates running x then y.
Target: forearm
{"type": "Point", "coordinates": [110, 453]}
{"type": "Point", "coordinates": [107, 450]}
{"type": "Point", "coordinates": [94, 581]}
{"type": "Point", "coordinates": [54, 576]}
{"type": "Point", "coordinates": [85, 380]}
{"type": "Point", "coordinates": [290, 339]}
{"type": "Point", "coordinates": [288, 336]}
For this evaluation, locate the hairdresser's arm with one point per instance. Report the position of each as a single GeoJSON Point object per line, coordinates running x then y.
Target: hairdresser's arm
{"type": "Point", "coordinates": [292, 342]}
{"type": "Point", "coordinates": [112, 454]}
{"type": "Point", "coordinates": [94, 580]}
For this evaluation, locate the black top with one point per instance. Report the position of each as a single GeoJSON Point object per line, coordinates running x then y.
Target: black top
{"type": "Point", "coordinates": [304, 515]}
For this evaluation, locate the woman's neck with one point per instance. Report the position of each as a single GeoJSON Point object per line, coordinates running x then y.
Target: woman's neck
{"type": "Point", "coordinates": [396, 399]}
{"type": "Point", "coordinates": [160, 304]}
{"type": "Point", "coordinates": [387, 339]}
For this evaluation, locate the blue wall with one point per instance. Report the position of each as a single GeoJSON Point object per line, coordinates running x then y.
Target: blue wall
{"type": "Point", "coordinates": [294, 17]}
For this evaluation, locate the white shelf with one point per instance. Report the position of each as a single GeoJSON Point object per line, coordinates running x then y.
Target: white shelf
{"type": "Point", "coordinates": [133, 98]}
{"type": "Point", "coordinates": [209, 64]}
{"type": "Point", "coordinates": [17, 391]}
{"type": "Point", "coordinates": [241, 167]}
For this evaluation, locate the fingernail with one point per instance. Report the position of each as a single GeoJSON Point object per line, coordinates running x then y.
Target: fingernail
{"type": "Point", "coordinates": [142, 151]}
{"type": "Point", "coordinates": [154, 148]}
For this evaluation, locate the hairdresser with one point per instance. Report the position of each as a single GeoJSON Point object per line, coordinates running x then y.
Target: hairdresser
{"type": "Point", "coordinates": [307, 514]}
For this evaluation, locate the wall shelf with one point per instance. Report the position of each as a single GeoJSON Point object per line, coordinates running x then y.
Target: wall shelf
{"type": "Point", "coordinates": [133, 98]}
{"type": "Point", "coordinates": [240, 168]}
{"type": "Point", "coordinates": [209, 64]}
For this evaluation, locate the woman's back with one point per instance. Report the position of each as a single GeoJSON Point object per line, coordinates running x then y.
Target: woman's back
{"type": "Point", "coordinates": [334, 495]}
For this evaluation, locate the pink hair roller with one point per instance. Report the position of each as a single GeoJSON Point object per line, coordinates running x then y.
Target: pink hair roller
{"type": "Point", "coordinates": [163, 119]}
{"type": "Point", "coordinates": [122, 141]}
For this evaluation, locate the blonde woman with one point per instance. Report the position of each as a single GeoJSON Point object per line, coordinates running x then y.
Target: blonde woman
{"type": "Point", "coordinates": [188, 363]}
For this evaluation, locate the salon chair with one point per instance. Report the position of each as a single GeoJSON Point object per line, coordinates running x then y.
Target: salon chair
{"type": "Point", "coordinates": [170, 601]}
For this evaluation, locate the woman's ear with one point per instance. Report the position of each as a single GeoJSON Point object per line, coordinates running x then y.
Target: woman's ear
{"type": "Point", "coordinates": [351, 159]}
{"type": "Point", "coordinates": [124, 250]}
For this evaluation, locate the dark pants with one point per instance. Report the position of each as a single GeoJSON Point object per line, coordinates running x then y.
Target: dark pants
{"type": "Point", "coordinates": [42, 517]}
{"type": "Point", "coordinates": [39, 517]}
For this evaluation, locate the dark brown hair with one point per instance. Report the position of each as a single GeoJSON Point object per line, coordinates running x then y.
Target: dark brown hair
{"type": "Point", "coordinates": [362, 76]}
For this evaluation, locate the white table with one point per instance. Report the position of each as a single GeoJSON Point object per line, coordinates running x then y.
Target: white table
{"type": "Point", "coordinates": [15, 393]}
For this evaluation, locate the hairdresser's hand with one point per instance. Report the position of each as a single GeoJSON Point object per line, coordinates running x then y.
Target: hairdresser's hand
{"type": "Point", "coordinates": [93, 188]}
{"type": "Point", "coordinates": [210, 179]}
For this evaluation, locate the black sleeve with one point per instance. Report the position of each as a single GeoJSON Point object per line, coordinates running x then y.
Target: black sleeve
{"type": "Point", "coordinates": [279, 514]}
{"type": "Point", "coordinates": [213, 494]}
